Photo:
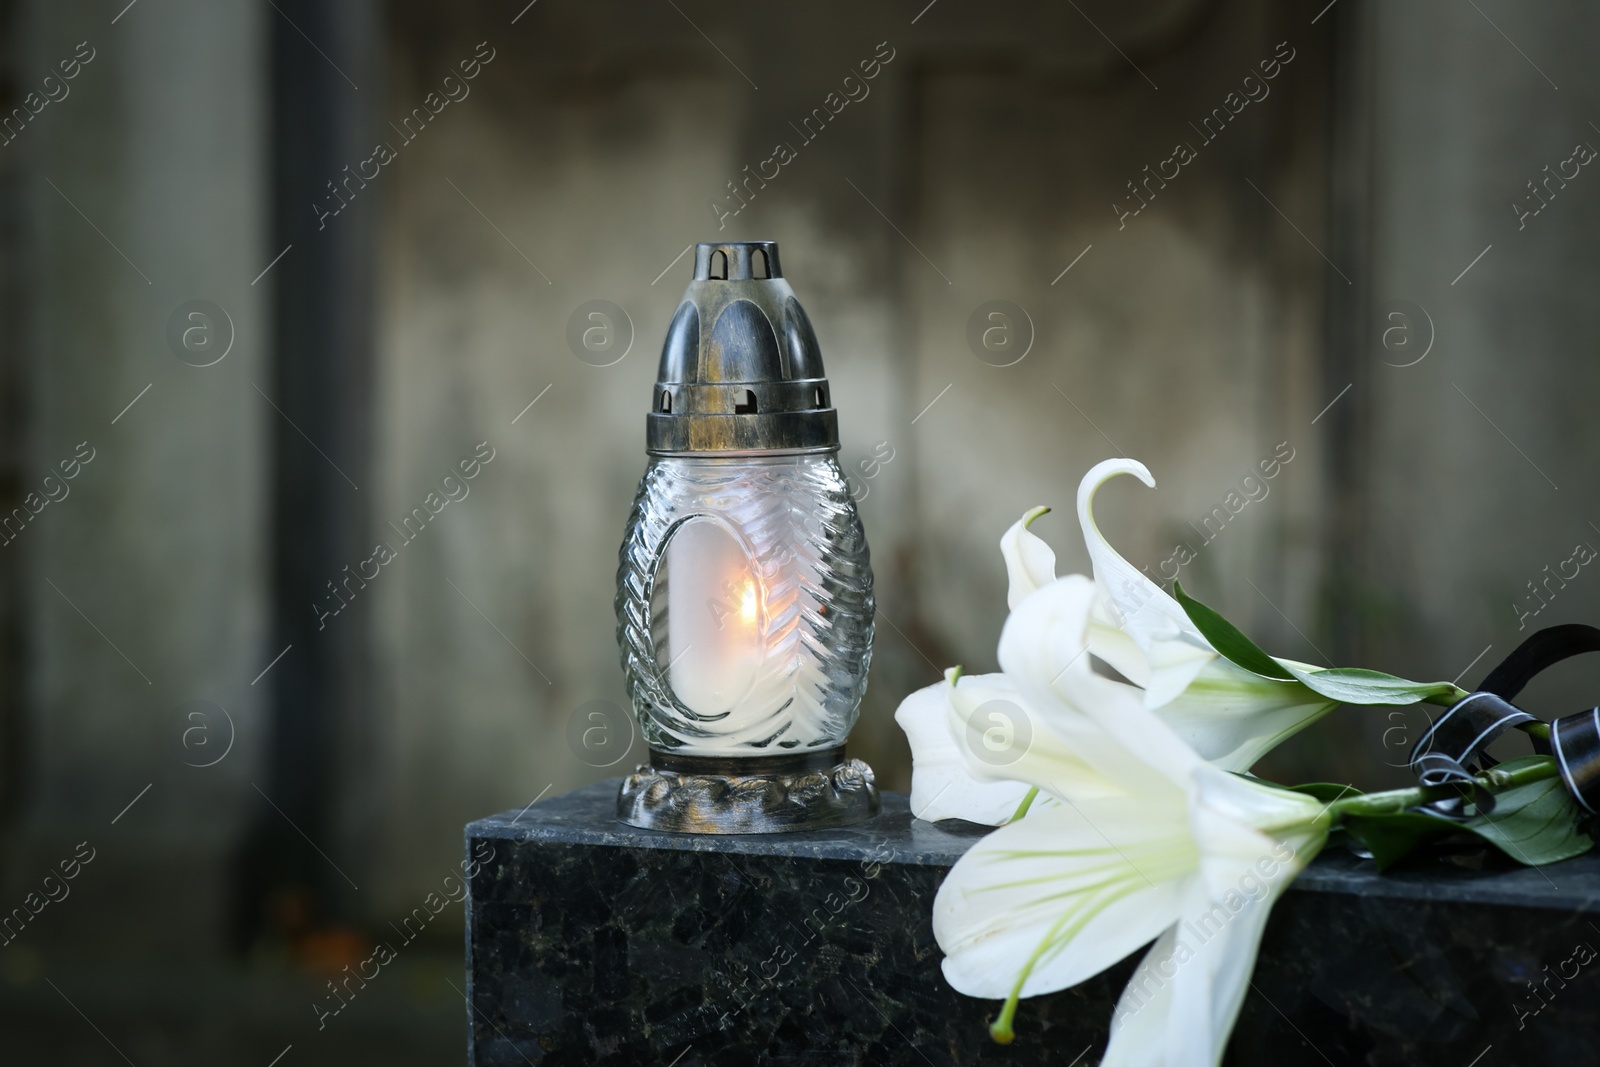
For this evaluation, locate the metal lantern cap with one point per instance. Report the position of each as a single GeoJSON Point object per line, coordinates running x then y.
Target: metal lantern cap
{"type": "Point", "coordinates": [741, 370]}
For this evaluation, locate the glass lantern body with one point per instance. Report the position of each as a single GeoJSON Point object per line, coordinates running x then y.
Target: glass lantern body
{"type": "Point", "coordinates": [744, 605]}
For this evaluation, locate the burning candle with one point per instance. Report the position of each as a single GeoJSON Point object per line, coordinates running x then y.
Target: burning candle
{"type": "Point", "coordinates": [744, 591]}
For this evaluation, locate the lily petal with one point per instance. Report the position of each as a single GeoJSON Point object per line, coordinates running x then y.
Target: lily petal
{"type": "Point", "coordinates": [941, 785]}
{"type": "Point", "coordinates": [1030, 562]}
{"type": "Point", "coordinates": [1156, 622]}
{"type": "Point", "coordinates": [1001, 735]}
{"type": "Point", "coordinates": [1112, 645]}
{"type": "Point", "coordinates": [1239, 818]}
{"type": "Point", "coordinates": [1026, 892]}
{"type": "Point", "coordinates": [1181, 1003]}
{"type": "Point", "coordinates": [1205, 1005]}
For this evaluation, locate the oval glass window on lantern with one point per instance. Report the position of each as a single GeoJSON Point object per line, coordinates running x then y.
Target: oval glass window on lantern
{"type": "Point", "coordinates": [706, 619]}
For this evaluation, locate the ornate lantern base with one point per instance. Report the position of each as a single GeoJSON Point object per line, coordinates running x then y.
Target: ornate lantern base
{"type": "Point", "coordinates": [748, 795]}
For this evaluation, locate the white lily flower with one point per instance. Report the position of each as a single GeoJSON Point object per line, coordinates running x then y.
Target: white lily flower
{"type": "Point", "coordinates": [1176, 850]}
{"type": "Point", "coordinates": [1229, 715]}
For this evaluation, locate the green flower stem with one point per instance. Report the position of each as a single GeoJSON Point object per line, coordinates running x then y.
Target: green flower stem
{"type": "Point", "coordinates": [1395, 801]}
{"type": "Point", "coordinates": [1540, 730]}
{"type": "Point", "coordinates": [1456, 696]}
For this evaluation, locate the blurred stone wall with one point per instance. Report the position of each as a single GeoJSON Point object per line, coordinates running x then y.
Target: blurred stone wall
{"type": "Point", "coordinates": [988, 160]}
{"type": "Point", "coordinates": [1477, 461]}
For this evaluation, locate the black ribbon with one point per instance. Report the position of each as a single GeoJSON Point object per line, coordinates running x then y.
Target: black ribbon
{"type": "Point", "coordinates": [1543, 648]}
{"type": "Point", "coordinates": [1576, 742]}
{"type": "Point", "coordinates": [1452, 749]}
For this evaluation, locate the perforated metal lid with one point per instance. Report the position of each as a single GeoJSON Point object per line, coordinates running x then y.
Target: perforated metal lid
{"type": "Point", "coordinates": [741, 370]}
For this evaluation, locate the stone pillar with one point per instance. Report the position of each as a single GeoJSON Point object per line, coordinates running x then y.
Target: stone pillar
{"type": "Point", "coordinates": [589, 940]}
{"type": "Point", "coordinates": [144, 579]}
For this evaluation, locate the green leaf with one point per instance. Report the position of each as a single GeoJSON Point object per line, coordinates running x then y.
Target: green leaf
{"type": "Point", "coordinates": [1391, 838]}
{"type": "Point", "coordinates": [1356, 685]}
{"type": "Point", "coordinates": [1536, 823]}
{"type": "Point", "coordinates": [1347, 685]}
{"type": "Point", "coordinates": [1231, 644]}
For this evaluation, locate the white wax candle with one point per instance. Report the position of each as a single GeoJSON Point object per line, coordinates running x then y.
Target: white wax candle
{"type": "Point", "coordinates": [714, 632]}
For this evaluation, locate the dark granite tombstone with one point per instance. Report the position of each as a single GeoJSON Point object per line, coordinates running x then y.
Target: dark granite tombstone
{"type": "Point", "coordinates": [591, 942]}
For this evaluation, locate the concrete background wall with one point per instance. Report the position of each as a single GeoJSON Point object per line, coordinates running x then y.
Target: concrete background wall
{"type": "Point", "coordinates": [1481, 467]}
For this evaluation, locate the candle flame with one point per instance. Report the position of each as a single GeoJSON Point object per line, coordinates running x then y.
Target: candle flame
{"type": "Point", "coordinates": [747, 603]}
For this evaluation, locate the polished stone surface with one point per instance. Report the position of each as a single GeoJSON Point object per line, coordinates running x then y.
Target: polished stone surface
{"type": "Point", "coordinates": [592, 942]}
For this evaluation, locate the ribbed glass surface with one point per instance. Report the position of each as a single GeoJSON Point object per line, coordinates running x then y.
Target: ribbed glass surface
{"type": "Point", "coordinates": [748, 583]}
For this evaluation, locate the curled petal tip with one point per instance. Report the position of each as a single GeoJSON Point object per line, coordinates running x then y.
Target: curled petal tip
{"type": "Point", "coordinates": [1110, 468]}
